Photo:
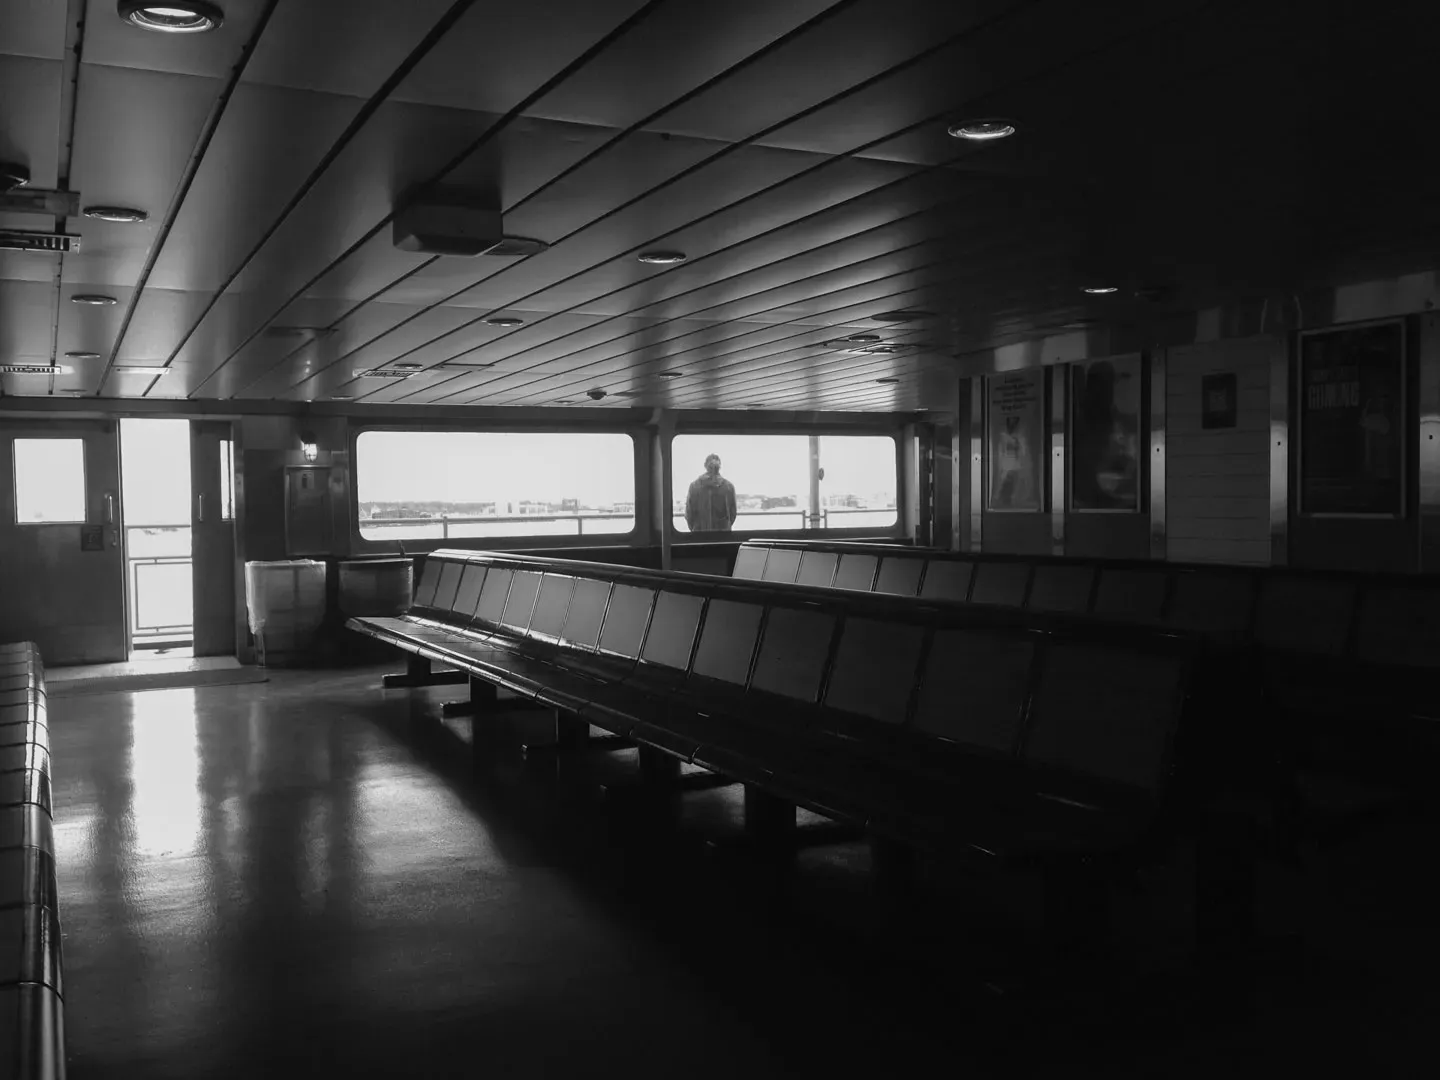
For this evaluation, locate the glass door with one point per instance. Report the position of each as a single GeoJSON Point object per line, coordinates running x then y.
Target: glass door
{"type": "Point", "coordinates": [212, 528]}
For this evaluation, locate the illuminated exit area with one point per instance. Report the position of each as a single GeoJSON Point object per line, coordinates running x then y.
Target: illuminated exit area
{"type": "Point", "coordinates": [155, 496]}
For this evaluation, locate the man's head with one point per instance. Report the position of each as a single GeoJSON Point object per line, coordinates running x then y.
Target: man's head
{"type": "Point", "coordinates": [712, 465]}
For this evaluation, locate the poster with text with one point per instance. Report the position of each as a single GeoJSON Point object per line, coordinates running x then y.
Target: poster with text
{"type": "Point", "coordinates": [1105, 435]}
{"type": "Point", "coordinates": [1015, 428]}
{"type": "Point", "coordinates": [1352, 402]}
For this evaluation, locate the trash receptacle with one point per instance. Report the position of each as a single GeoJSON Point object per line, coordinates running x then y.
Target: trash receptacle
{"type": "Point", "coordinates": [285, 602]}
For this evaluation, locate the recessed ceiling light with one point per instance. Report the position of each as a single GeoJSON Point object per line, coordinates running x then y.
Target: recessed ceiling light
{"type": "Point", "coordinates": [670, 374]}
{"type": "Point", "coordinates": [83, 355]}
{"type": "Point", "coordinates": [513, 246]}
{"type": "Point", "coordinates": [172, 17]}
{"type": "Point", "coordinates": [123, 214]}
{"type": "Point", "coordinates": [139, 369]}
{"type": "Point", "coordinates": [902, 316]}
{"type": "Point", "coordinates": [663, 258]}
{"type": "Point", "coordinates": [342, 397]}
{"type": "Point", "coordinates": [1102, 290]}
{"type": "Point", "coordinates": [93, 298]}
{"type": "Point", "coordinates": [565, 401]}
{"type": "Point", "coordinates": [888, 379]}
{"type": "Point", "coordinates": [863, 337]}
{"type": "Point", "coordinates": [983, 130]}
{"type": "Point", "coordinates": [504, 320]}
{"type": "Point", "coordinates": [408, 367]}
{"type": "Point", "coordinates": [885, 349]}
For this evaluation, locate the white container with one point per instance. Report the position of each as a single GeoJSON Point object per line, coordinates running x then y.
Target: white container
{"type": "Point", "coordinates": [285, 602]}
{"type": "Point", "coordinates": [376, 586]}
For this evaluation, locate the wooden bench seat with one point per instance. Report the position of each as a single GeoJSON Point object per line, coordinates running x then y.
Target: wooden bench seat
{"type": "Point", "coordinates": [911, 720]}
{"type": "Point", "coordinates": [32, 1041]}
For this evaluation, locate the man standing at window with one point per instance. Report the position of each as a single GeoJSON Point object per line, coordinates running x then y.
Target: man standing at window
{"type": "Point", "coordinates": [710, 505]}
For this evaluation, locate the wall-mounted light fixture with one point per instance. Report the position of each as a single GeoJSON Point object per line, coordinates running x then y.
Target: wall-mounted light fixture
{"type": "Point", "coordinates": [309, 447]}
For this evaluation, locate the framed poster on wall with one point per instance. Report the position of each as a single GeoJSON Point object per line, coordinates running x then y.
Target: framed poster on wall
{"type": "Point", "coordinates": [1105, 436]}
{"type": "Point", "coordinates": [1015, 432]}
{"type": "Point", "coordinates": [1352, 421]}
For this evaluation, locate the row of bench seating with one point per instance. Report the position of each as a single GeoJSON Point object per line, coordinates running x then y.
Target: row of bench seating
{"type": "Point", "coordinates": [32, 1043]}
{"type": "Point", "coordinates": [1336, 669]}
{"type": "Point", "coordinates": [1034, 737]}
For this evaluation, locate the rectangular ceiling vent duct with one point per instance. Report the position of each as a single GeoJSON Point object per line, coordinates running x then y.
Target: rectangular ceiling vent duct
{"type": "Point", "coordinates": [46, 243]}
{"type": "Point", "coordinates": [31, 369]}
{"type": "Point", "coordinates": [383, 373]}
{"type": "Point", "coordinates": [457, 222]}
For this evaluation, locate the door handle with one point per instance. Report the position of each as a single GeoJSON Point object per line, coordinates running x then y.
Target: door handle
{"type": "Point", "coordinates": [200, 512]}
{"type": "Point", "coordinates": [109, 508]}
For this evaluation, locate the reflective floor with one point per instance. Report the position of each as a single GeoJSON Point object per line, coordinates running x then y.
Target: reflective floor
{"type": "Point", "coordinates": [302, 878]}
{"type": "Point", "coordinates": [256, 885]}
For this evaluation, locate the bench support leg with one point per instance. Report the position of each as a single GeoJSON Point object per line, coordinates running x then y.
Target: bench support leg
{"type": "Point", "coordinates": [659, 771]}
{"type": "Point", "coordinates": [484, 736]}
{"type": "Point", "coordinates": [419, 672]}
{"type": "Point", "coordinates": [769, 821]}
{"type": "Point", "coordinates": [572, 734]}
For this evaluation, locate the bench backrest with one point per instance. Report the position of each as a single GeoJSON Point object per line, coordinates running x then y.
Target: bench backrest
{"type": "Point", "coordinates": [1383, 620]}
{"type": "Point", "coordinates": [1099, 705]}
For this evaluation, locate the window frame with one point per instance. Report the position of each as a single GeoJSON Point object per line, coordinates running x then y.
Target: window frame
{"type": "Point", "coordinates": [15, 441]}
{"type": "Point", "coordinates": [359, 544]}
{"type": "Point", "coordinates": [896, 433]}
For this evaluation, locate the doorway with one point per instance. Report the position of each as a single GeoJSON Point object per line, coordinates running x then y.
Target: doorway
{"type": "Point", "coordinates": [155, 490]}
{"type": "Point", "coordinates": [177, 486]}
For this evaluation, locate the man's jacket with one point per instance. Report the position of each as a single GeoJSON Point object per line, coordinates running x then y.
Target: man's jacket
{"type": "Point", "coordinates": [710, 505]}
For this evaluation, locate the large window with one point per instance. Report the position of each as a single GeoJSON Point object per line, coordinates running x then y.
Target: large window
{"type": "Point", "coordinates": [450, 485]}
{"type": "Point", "coordinates": [49, 481]}
{"type": "Point", "coordinates": [771, 480]}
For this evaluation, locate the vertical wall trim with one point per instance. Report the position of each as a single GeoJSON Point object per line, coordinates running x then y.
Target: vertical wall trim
{"type": "Point", "coordinates": [1429, 435]}
{"type": "Point", "coordinates": [1157, 454]}
{"type": "Point", "coordinates": [977, 458]}
{"type": "Point", "coordinates": [1058, 378]}
{"type": "Point", "coordinates": [1280, 451]}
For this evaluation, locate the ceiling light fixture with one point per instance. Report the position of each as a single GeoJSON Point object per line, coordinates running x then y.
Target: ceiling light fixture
{"type": "Point", "coordinates": [1102, 290]}
{"type": "Point", "coordinates": [901, 316]}
{"type": "Point", "coordinates": [517, 246]}
{"type": "Point", "coordinates": [94, 299]}
{"type": "Point", "coordinates": [342, 397]}
{"type": "Point", "coordinates": [123, 215]}
{"type": "Point", "coordinates": [982, 130]}
{"type": "Point", "coordinates": [139, 369]}
{"type": "Point", "coordinates": [863, 337]}
{"type": "Point", "coordinates": [408, 367]}
{"type": "Point", "coordinates": [32, 369]}
{"type": "Point", "coordinates": [504, 320]}
{"type": "Point", "coordinates": [13, 175]}
{"type": "Point", "coordinates": [83, 355]}
{"type": "Point", "coordinates": [888, 379]}
{"type": "Point", "coordinates": [663, 258]}
{"type": "Point", "coordinates": [172, 17]}
{"type": "Point", "coordinates": [670, 374]}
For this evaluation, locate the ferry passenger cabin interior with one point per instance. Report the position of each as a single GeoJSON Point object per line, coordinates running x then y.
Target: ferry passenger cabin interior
{"type": "Point", "coordinates": [763, 536]}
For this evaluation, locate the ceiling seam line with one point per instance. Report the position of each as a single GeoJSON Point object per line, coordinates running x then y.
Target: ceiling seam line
{"type": "Point", "coordinates": [632, 129]}
{"type": "Point", "coordinates": [182, 190]}
{"type": "Point", "coordinates": [680, 295]}
{"type": "Point", "coordinates": [362, 116]}
{"type": "Point", "coordinates": [419, 190]}
{"type": "Point", "coordinates": [1108, 45]}
{"type": "Point", "coordinates": [749, 140]}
